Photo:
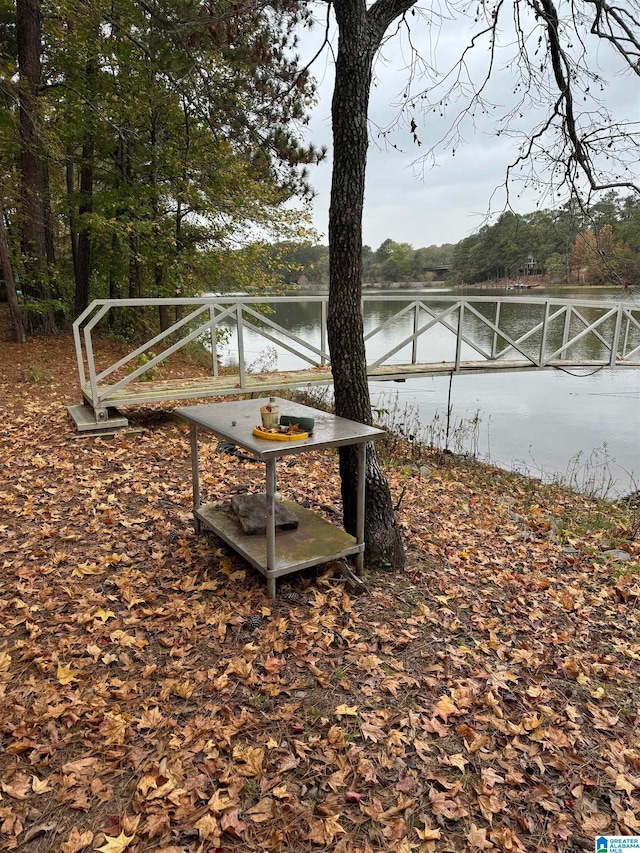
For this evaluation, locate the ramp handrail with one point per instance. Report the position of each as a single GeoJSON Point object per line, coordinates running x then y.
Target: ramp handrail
{"type": "Point", "coordinates": [478, 323]}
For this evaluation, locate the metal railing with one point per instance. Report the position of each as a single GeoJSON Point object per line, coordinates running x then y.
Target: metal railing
{"type": "Point", "coordinates": [619, 345]}
{"type": "Point", "coordinates": [486, 332]}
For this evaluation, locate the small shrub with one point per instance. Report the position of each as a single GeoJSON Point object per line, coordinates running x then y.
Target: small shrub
{"type": "Point", "coordinates": [148, 375]}
{"type": "Point", "coordinates": [266, 361]}
{"type": "Point", "coordinates": [37, 374]}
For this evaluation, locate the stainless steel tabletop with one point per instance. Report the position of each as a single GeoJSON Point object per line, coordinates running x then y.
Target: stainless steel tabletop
{"type": "Point", "coordinates": [235, 422]}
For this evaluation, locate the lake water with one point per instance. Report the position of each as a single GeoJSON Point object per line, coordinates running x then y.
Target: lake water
{"type": "Point", "coordinates": [547, 423]}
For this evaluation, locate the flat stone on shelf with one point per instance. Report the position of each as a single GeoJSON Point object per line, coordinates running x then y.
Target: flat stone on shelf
{"type": "Point", "coordinates": [252, 512]}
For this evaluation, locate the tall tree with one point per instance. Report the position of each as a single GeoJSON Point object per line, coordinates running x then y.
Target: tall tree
{"type": "Point", "coordinates": [6, 268]}
{"type": "Point", "coordinates": [577, 141]}
{"type": "Point", "coordinates": [360, 33]}
{"type": "Point", "coordinates": [34, 174]}
{"type": "Point", "coordinates": [83, 243]}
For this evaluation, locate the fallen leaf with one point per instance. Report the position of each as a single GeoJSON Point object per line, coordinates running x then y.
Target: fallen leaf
{"type": "Point", "coordinates": [631, 821]}
{"type": "Point", "coordinates": [18, 788]}
{"type": "Point", "coordinates": [220, 801]}
{"type": "Point", "coordinates": [77, 841]}
{"type": "Point", "coordinates": [65, 674]}
{"type": "Point", "coordinates": [428, 833]}
{"type": "Point", "coordinates": [39, 786]}
{"type": "Point", "coordinates": [346, 711]}
{"type": "Point", "coordinates": [477, 838]}
{"type": "Point", "coordinates": [458, 761]}
{"type": "Point", "coordinates": [37, 831]}
{"type": "Point", "coordinates": [104, 615]}
{"type": "Point", "coordinates": [623, 784]}
{"type": "Point", "coordinates": [231, 824]}
{"type": "Point", "coordinates": [262, 811]}
{"type": "Point", "coordinates": [209, 829]}
{"type": "Point", "coordinates": [156, 825]}
{"type": "Point", "coordinates": [150, 719]}
{"type": "Point", "coordinates": [444, 708]}
{"type": "Point", "coordinates": [251, 760]}
{"type": "Point", "coordinates": [113, 728]}
{"type": "Point", "coordinates": [116, 845]}
{"type": "Point", "coordinates": [596, 823]}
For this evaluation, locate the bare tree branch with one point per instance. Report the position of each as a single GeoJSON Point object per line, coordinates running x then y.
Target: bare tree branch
{"type": "Point", "coordinates": [576, 146]}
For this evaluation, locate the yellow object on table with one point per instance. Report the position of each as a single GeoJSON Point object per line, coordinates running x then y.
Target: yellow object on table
{"type": "Point", "coordinates": [259, 432]}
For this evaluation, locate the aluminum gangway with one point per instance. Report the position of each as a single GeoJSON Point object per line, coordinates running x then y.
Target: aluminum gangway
{"type": "Point", "coordinates": [418, 334]}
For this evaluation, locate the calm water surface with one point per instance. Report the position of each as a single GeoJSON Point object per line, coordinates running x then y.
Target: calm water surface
{"type": "Point", "coordinates": [547, 423]}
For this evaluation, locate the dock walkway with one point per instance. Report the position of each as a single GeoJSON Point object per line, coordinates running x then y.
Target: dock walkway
{"type": "Point", "coordinates": [481, 335]}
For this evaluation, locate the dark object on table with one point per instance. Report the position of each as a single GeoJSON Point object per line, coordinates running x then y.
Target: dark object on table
{"type": "Point", "coordinates": [252, 510]}
{"type": "Point", "coordinates": [305, 424]}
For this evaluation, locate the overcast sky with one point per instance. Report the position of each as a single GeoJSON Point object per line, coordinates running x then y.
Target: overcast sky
{"type": "Point", "coordinates": [446, 202]}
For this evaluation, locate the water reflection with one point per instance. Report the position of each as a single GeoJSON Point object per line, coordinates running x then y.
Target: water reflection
{"type": "Point", "coordinates": [538, 421]}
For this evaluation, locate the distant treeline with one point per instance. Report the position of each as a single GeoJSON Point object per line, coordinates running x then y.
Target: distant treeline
{"type": "Point", "coordinates": [307, 264]}
{"type": "Point", "coordinates": [597, 245]}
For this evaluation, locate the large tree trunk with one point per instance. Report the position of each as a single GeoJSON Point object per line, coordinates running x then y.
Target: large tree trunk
{"type": "Point", "coordinates": [73, 227]}
{"type": "Point", "coordinates": [83, 266]}
{"type": "Point", "coordinates": [85, 207]}
{"type": "Point", "coordinates": [9, 283]}
{"type": "Point", "coordinates": [49, 236]}
{"type": "Point", "coordinates": [34, 230]}
{"type": "Point", "coordinates": [356, 48]}
{"type": "Point", "coordinates": [158, 266]}
{"type": "Point", "coordinates": [114, 279]}
{"type": "Point", "coordinates": [135, 266]}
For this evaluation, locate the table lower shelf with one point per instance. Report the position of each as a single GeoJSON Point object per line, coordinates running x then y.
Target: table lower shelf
{"type": "Point", "coordinates": [315, 541]}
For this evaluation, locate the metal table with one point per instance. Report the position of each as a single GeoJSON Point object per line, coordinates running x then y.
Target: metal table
{"type": "Point", "coordinates": [315, 541]}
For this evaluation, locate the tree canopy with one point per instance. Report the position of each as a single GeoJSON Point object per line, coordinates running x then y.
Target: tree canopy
{"type": "Point", "coordinates": [161, 134]}
{"type": "Point", "coordinates": [563, 245]}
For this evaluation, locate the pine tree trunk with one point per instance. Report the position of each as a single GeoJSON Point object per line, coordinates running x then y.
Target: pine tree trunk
{"type": "Point", "coordinates": [49, 237]}
{"type": "Point", "coordinates": [83, 268]}
{"type": "Point", "coordinates": [85, 207]}
{"type": "Point", "coordinates": [73, 228]}
{"type": "Point", "coordinates": [9, 283]}
{"type": "Point", "coordinates": [33, 173]}
{"type": "Point", "coordinates": [135, 269]}
{"type": "Point", "coordinates": [356, 48]}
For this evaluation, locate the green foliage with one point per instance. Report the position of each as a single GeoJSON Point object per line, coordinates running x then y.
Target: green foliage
{"type": "Point", "coordinates": [397, 262]}
{"type": "Point", "coordinates": [599, 258]}
{"type": "Point", "coordinates": [150, 374]}
{"type": "Point", "coordinates": [292, 263]}
{"type": "Point", "coordinates": [307, 264]}
{"type": "Point", "coordinates": [35, 312]}
{"type": "Point", "coordinates": [171, 137]}
{"type": "Point", "coordinates": [599, 245]}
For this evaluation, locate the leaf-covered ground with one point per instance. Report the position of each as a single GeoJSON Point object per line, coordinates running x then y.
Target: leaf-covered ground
{"type": "Point", "coordinates": [153, 698]}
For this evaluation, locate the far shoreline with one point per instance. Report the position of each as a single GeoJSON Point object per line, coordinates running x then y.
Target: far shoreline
{"type": "Point", "coordinates": [485, 285]}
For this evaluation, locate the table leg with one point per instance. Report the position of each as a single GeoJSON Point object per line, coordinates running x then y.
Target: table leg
{"type": "Point", "coordinates": [195, 475]}
{"type": "Point", "coordinates": [362, 472]}
{"type": "Point", "coordinates": [271, 527]}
